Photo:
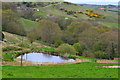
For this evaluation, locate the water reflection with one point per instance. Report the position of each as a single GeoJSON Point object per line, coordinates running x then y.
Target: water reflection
{"type": "Point", "coordinates": [40, 57]}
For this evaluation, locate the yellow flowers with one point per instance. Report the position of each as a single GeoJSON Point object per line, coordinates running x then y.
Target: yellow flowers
{"type": "Point", "coordinates": [74, 15]}
{"type": "Point", "coordinates": [79, 12]}
{"type": "Point", "coordinates": [92, 14]}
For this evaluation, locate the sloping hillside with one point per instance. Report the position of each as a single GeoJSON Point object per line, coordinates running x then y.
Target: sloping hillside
{"type": "Point", "coordinates": [29, 24]}
{"type": "Point", "coordinates": [55, 11]}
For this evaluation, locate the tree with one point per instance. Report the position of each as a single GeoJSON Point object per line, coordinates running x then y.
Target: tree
{"type": "Point", "coordinates": [10, 19]}
{"type": "Point", "coordinates": [100, 54]}
{"type": "Point", "coordinates": [111, 40]}
{"type": "Point", "coordinates": [63, 23]}
{"type": "Point", "coordinates": [58, 43]}
{"type": "Point", "coordinates": [27, 13]}
{"type": "Point", "coordinates": [87, 53]}
{"type": "Point", "coordinates": [49, 31]}
{"type": "Point", "coordinates": [88, 37]}
{"type": "Point", "coordinates": [68, 37]}
{"type": "Point", "coordinates": [78, 27]}
{"type": "Point", "coordinates": [79, 48]}
{"type": "Point", "coordinates": [99, 45]}
{"type": "Point", "coordinates": [66, 48]}
{"type": "Point", "coordinates": [32, 36]}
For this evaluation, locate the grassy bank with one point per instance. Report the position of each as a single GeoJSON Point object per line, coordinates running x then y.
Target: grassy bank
{"type": "Point", "coordinates": [29, 24]}
{"type": "Point", "coordinates": [78, 70]}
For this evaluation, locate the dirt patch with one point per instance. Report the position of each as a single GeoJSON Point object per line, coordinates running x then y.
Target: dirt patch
{"type": "Point", "coordinates": [105, 61]}
{"type": "Point", "coordinates": [112, 66]}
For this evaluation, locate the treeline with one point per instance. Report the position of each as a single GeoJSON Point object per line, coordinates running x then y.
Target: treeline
{"type": "Point", "coordinates": [90, 39]}
{"type": "Point", "coordinates": [11, 20]}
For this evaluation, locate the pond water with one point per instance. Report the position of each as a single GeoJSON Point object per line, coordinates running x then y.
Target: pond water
{"type": "Point", "coordinates": [42, 58]}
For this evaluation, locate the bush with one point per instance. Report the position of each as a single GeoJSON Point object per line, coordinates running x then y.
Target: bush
{"type": "Point", "coordinates": [100, 54]}
{"type": "Point", "coordinates": [99, 46]}
{"type": "Point", "coordinates": [73, 56]}
{"type": "Point", "coordinates": [88, 54]}
{"type": "Point", "coordinates": [66, 48]}
{"type": "Point", "coordinates": [8, 57]}
{"type": "Point", "coordinates": [79, 48]}
{"type": "Point", "coordinates": [9, 48]}
{"type": "Point", "coordinates": [58, 43]}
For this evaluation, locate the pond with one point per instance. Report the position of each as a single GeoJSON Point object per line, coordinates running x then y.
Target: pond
{"type": "Point", "coordinates": [44, 58]}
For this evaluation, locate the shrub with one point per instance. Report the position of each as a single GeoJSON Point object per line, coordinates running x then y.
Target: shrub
{"type": "Point", "coordinates": [87, 54]}
{"type": "Point", "coordinates": [73, 56]}
{"type": "Point", "coordinates": [7, 57]}
{"type": "Point", "coordinates": [100, 54]}
{"type": "Point", "coordinates": [99, 46]}
{"type": "Point", "coordinates": [79, 48]}
{"type": "Point", "coordinates": [58, 43]}
{"type": "Point", "coordinates": [66, 48]}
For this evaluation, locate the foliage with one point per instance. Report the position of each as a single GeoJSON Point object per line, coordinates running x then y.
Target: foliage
{"type": "Point", "coordinates": [102, 28]}
{"type": "Point", "coordinates": [100, 54]}
{"type": "Point", "coordinates": [32, 36]}
{"type": "Point", "coordinates": [11, 22]}
{"type": "Point", "coordinates": [27, 13]}
{"type": "Point", "coordinates": [49, 31]}
{"type": "Point", "coordinates": [79, 48]}
{"type": "Point", "coordinates": [76, 27]}
{"type": "Point", "coordinates": [87, 54]}
{"type": "Point", "coordinates": [66, 48]}
{"type": "Point", "coordinates": [99, 46]}
{"type": "Point", "coordinates": [68, 37]}
{"type": "Point", "coordinates": [7, 57]}
{"type": "Point", "coordinates": [58, 43]}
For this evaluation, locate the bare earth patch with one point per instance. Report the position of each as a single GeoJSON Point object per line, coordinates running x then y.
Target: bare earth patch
{"type": "Point", "coordinates": [112, 66]}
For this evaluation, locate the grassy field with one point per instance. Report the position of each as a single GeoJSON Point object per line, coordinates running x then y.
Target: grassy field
{"type": "Point", "coordinates": [78, 70]}
{"type": "Point", "coordinates": [29, 24]}
{"type": "Point", "coordinates": [41, 13]}
{"type": "Point", "coordinates": [111, 24]}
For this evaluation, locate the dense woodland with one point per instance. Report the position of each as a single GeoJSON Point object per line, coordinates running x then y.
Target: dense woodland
{"type": "Point", "coordinates": [69, 36]}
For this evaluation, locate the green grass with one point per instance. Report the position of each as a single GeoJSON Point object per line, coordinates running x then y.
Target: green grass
{"type": "Point", "coordinates": [41, 12]}
{"type": "Point", "coordinates": [78, 70]}
{"type": "Point", "coordinates": [43, 43]}
{"type": "Point", "coordinates": [111, 24]}
{"type": "Point", "coordinates": [29, 24]}
{"type": "Point", "coordinates": [43, 49]}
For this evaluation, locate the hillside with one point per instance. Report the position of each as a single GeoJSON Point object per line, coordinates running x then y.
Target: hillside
{"type": "Point", "coordinates": [28, 24]}
{"type": "Point", "coordinates": [53, 10]}
{"type": "Point", "coordinates": [111, 19]}
{"type": "Point", "coordinates": [59, 40]}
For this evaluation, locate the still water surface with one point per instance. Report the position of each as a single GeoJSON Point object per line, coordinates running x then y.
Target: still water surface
{"type": "Point", "coordinates": [41, 57]}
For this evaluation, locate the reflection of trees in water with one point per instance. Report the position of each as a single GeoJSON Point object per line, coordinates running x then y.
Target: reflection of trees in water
{"type": "Point", "coordinates": [63, 58]}
{"type": "Point", "coordinates": [47, 55]}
